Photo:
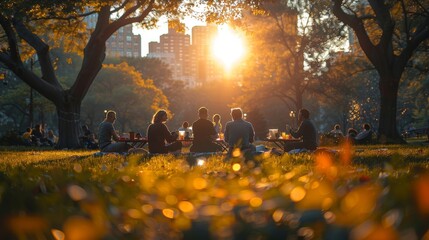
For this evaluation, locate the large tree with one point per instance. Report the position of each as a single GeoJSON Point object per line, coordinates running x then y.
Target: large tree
{"type": "Point", "coordinates": [389, 32]}
{"type": "Point", "coordinates": [37, 26]}
{"type": "Point", "coordinates": [288, 46]}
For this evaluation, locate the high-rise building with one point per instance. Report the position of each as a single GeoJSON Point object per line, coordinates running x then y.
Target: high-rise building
{"type": "Point", "coordinates": [207, 67]}
{"type": "Point", "coordinates": [124, 43]}
{"type": "Point", "coordinates": [174, 48]}
{"type": "Point", "coordinates": [195, 63]}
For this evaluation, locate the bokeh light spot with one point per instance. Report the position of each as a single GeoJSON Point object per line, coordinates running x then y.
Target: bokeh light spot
{"type": "Point", "coordinates": [76, 192]}
{"type": "Point", "coordinates": [236, 152]}
{"type": "Point", "coordinates": [134, 213]}
{"type": "Point", "coordinates": [236, 167]}
{"type": "Point", "coordinates": [58, 235]}
{"type": "Point", "coordinates": [255, 202]}
{"type": "Point", "coordinates": [148, 209]}
{"type": "Point", "coordinates": [278, 215]}
{"type": "Point", "coordinates": [199, 183]}
{"type": "Point", "coordinates": [297, 194]}
{"type": "Point", "coordinates": [186, 206]}
{"type": "Point", "coordinates": [168, 213]}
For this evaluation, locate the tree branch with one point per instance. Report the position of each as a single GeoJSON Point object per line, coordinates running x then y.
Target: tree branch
{"type": "Point", "coordinates": [358, 27]}
{"type": "Point", "coordinates": [115, 25]}
{"type": "Point", "coordinates": [67, 18]}
{"type": "Point", "coordinates": [12, 41]}
{"type": "Point", "coordinates": [404, 13]}
{"type": "Point", "coordinates": [42, 49]}
{"type": "Point", "coordinates": [384, 20]}
{"type": "Point", "coordinates": [417, 38]}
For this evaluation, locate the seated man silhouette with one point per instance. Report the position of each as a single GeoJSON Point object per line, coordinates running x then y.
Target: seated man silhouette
{"type": "Point", "coordinates": [239, 133]}
{"type": "Point", "coordinates": [306, 131]}
{"type": "Point", "coordinates": [107, 133]}
{"type": "Point", "coordinates": [365, 136]}
{"type": "Point", "coordinates": [204, 134]}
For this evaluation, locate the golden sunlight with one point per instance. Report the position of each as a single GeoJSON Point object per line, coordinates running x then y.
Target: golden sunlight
{"type": "Point", "coordinates": [228, 46]}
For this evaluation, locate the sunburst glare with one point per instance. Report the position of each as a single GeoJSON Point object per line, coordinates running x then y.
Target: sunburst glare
{"type": "Point", "coordinates": [228, 46]}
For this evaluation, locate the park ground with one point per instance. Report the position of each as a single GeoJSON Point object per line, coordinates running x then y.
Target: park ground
{"type": "Point", "coordinates": [352, 192]}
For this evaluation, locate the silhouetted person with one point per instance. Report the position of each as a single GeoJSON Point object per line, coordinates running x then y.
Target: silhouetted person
{"type": "Point", "coordinates": [160, 140]}
{"type": "Point", "coordinates": [26, 136]}
{"type": "Point", "coordinates": [365, 135]}
{"type": "Point", "coordinates": [106, 132]}
{"type": "Point", "coordinates": [216, 123]}
{"type": "Point", "coordinates": [204, 134]}
{"type": "Point", "coordinates": [238, 132]}
{"type": "Point", "coordinates": [306, 131]}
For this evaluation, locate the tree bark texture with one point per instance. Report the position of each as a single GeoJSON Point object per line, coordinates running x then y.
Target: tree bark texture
{"type": "Point", "coordinates": [69, 125]}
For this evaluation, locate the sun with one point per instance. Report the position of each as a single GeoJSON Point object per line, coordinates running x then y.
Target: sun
{"type": "Point", "coordinates": [228, 46]}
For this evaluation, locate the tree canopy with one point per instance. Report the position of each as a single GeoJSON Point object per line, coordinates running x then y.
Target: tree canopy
{"type": "Point", "coordinates": [36, 27]}
{"type": "Point", "coordinates": [389, 33]}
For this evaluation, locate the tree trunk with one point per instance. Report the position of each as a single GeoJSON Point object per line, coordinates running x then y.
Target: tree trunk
{"type": "Point", "coordinates": [387, 129]}
{"type": "Point", "coordinates": [69, 125]}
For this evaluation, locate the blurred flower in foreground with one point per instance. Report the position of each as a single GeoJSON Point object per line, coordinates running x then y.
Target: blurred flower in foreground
{"type": "Point", "coordinates": [27, 224]}
{"type": "Point", "coordinates": [421, 193]}
{"type": "Point", "coordinates": [80, 228]}
{"type": "Point", "coordinates": [358, 205]}
{"type": "Point", "coordinates": [346, 153]}
{"type": "Point", "coordinates": [373, 231]}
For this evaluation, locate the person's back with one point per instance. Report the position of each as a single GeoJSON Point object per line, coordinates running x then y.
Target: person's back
{"type": "Point", "coordinates": [37, 133]}
{"type": "Point", "coordinates": [238, 132]}
{"type": "Point", "coordinates": [365, 135]}
{"type": "Point", "coordinates": [105, 134]}
{"type": "Point", "coordinates": [27, 137]}
{"type": "Point", "coordinates": [158, 134]}
{"type": "Point", "coordinates": [336, 132]}
{"type": "Point", "coordinates": [204, 134]}
{"type": "Point", "coordinates": [52, 139]}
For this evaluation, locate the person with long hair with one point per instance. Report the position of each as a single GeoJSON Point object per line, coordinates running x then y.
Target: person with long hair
{"type": "Point", "coordinates": [216, 123]}
{"type": "Point", "coordinates": [160, 140]}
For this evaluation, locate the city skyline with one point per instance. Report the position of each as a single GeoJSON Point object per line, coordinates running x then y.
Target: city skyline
{"type": "Point", "coordinates": [153, 35]}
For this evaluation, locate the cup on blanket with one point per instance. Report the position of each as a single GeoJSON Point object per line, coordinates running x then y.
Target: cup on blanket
{"type": "Point", "coordinates": [273, 133]}
{"type": "Point", "coordinates": [181, 135]}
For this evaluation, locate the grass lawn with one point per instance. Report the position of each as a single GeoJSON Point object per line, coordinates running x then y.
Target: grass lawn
{"type": "Point", "coordinates": [360, 192]}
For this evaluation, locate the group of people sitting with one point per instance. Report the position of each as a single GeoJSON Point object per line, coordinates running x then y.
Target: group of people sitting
{"type": "Point", "coordinates": [362, 137]}
{"type": "Point", "coordinates": [238, 134]}
{"type": "Point", "coordinates": [37, 136]}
